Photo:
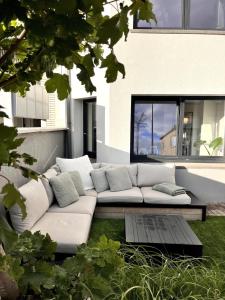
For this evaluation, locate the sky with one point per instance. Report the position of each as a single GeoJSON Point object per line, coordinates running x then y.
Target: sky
{"type": "Point", "coordinates": [164, 119]}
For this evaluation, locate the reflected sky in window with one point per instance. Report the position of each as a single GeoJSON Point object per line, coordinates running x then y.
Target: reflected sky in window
{"type": "Point", "coordinates": [207, 14]}
{"type": "Point", "coordinates": [151, 123]}
{"type": "Point", "coordinates": [168, 14]}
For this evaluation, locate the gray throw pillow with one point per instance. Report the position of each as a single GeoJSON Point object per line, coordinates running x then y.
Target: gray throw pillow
{"type": "Point", "coordinates": [64, 189]}
{"type": "Point", "coordinates": [45, 180]}
{"type": "Point", "coordinates": [77, 181]}
{"type": "Point", "coordinates": [99, 179]}
{"type": "Point", "coordinates": [119, 179]}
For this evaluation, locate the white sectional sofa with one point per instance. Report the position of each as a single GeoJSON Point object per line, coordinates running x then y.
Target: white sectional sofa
{"type": "Point", "coordinates": [70, 226]}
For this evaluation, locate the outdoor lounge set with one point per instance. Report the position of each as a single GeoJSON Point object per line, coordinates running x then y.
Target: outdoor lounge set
{"type": "Point", "coordinates": [62, 203]}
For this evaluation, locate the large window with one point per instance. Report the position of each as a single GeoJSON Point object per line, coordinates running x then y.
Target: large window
{"type": "Point", "coordinates": [177, 127]}
{"type": "Point", "coordinates": [186, 14]}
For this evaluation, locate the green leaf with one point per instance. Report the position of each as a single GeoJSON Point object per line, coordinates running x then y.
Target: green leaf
{"type": "Point", "coordinates": [27, 172]}
{"type": "Point", "coordinates": [199, 143]}
{"type": "Point", "coordinates": [11, 196]}
{"type": "Point", "coordinates": [60, 83]}
{"type": "Point", "coordinates": [3, 115]}
{"type": "Point", "coordinates": [4, 153]}
{"type": "Point", "coordinates": [110, 30]}
{"type": "Point", "coordinates": [84, 78]}
{"type": "Point", "coordinates": [113, 67]}
{"type": "Point", "coordinates": [144, 9]}
{"type": "Point", "coordinates": [216, 143]}
{"type": "Point", "coordinates": [8, 237]}
{"type": "Point", "coordinates": [28, 159]}
{"type": "Point", "coordinates": [37, 276]}
{"type": "Point", "coordinates": [123, 21]}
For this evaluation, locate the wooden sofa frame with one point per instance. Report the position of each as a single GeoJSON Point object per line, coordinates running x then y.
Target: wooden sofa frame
{"type": "Point", "coordinates": [194, 211]}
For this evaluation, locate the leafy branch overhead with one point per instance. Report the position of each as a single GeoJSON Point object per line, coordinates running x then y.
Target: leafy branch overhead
{"type": "Point", "coordinates": [36, 36]}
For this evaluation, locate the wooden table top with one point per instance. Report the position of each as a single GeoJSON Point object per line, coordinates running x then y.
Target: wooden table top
{"type": "Point", "coordinates": [159, 229]}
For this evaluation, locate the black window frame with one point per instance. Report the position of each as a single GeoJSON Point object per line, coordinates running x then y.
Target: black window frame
{"type": "Point", "coordinates": [186, 6]}
{"type": "Point", "coordinates": [180, 100]}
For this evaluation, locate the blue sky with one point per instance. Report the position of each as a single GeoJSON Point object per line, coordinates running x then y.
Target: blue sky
{"type": "Point", "coordinates": [164, 117]}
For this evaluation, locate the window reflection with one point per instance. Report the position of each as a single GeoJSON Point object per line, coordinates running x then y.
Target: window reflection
{"type": "Point", "coordinates": [203, 122]}
{"type": "Point", "coordinates": [155, 129]}
{"type": "Point", "coordinates": [168, 14]}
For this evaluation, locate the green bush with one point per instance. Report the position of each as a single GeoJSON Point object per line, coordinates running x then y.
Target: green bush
{"type": "Point", "coordinates": [105, 270]}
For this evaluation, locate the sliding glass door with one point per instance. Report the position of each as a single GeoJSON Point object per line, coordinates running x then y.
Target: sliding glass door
{"type": "Point", "coordinates": [89, 127]}
{"type": "Point", "coordinates": [177, 127]}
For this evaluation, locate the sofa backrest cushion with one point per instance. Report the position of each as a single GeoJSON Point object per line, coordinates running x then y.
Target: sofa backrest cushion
{"type": "Point", "coordinates": [151, 174]}
{"type": "Point", "coordinates": [45, 180]}
{"type": "Point", "coordinates": [77, 181]}
{"type": "Point", "coordinates": [118, 179]}
{"type": "Point", "coordinates": [96, 165]}
{"type": "Point", "coordinates": [64, 189]}
{"type": "Point", "coordinates": [37, 204]}
{"type": "Point", "coordinates": [99, 179]}
{"type": "Point", "coordinates": [80, 164]}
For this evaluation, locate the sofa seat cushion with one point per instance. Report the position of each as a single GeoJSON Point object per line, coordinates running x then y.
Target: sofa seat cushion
{"type": "Point", "coordinates": [128, 196]}
{"type": "Point", "coordinates": [91, 193]}
{"type": "Point", "coordinates": [68, 230]}
{"type": "Point", "coordinates": [85, 205]}
{"type": "Point", "coordinates": [154, 197]}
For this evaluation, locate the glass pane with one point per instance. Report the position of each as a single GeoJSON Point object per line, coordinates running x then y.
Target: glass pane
{"type": "Point", "coordinates": [143, 129]}
{"type": "Point", "coordinates": [168, 14]}
{"type": "Point", "coordinates": [203, 123]}
{"type": "Point", "coordinates": [155, 129]}
{"type": "Point", "coordinates": [207, 14]}
{"type": "Point", "coordinates": [91, 127]}
{"type": "Point", "coordinates": [165, 129]}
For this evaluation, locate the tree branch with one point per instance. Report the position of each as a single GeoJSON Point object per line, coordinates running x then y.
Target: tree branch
{"type": "Point", "coordinates": [8, 81]}
{"type": "Point", "coordinates": [13, 47]}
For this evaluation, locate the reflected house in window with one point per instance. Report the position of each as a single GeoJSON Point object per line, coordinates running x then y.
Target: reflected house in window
{"type": "Point", "coordinates": [168, 143]}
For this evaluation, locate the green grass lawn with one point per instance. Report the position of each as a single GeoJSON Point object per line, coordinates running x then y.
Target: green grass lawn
{"type": "Point", "coordinates": [211, 233]}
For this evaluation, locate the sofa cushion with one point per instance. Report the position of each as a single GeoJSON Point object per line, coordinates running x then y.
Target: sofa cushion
{"type": "Point", "coordinates": [45, 180]}
{"type": "Point", "coordinates": [56, 168]}
{"type": "Point", "coordinates": [67, 229]}
{"type": "Point", "coordinates": [128, 196]}
{"type": "Point", "coordinates": [132, 170]}
{"type": "Point", "coordinates": [154, 197]}
{"type": "Point", "coordinates": [99, 179]}
{"type": "Point", "coordinates": [85, 205]}
{"type": "Point", "coordinates": [96, 165]}
{"type": "Point", "coordinates": [36, 204]}
{"type": "Point", "coordinates": [64, 189]}
{"type": "Point", "coordinates": [118, 179]}
{"type": "Point", "coordinates": [91, 193]}
{"type": "Point", "coordinates": [151, 174]}
{"type": "Point", "coordinates": [77, 181]}
{"type": "Point", "coordinates": [80, 164]}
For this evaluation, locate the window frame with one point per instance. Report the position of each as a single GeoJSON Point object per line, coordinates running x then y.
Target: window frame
{"type": "Point", "coordinates": [186, 9]}
{"type": "Point", "coordinates": [180, 101]}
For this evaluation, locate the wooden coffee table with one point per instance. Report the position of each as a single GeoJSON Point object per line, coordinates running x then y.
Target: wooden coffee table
{"type": "Point", "coordinates": [169, 234]}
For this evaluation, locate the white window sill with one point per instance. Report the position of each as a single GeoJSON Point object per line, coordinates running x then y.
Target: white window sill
{"type": "Point", "coordinates": [24, 130]}
{"type": "Point", "coordinates": [178, 31]}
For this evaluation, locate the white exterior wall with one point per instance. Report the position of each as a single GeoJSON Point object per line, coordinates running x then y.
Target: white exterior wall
{"type": "Point", "coordinates": [161, 64]}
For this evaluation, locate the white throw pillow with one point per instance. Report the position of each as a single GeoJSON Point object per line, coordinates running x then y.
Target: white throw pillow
{"type": "Point", "coordinates": [37, 204]}
{"type": "Point", "coordinates": [80, 164]}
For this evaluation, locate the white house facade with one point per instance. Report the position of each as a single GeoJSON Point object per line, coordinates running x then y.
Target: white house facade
{"type": "Point", "coordinates": [171, 104]}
